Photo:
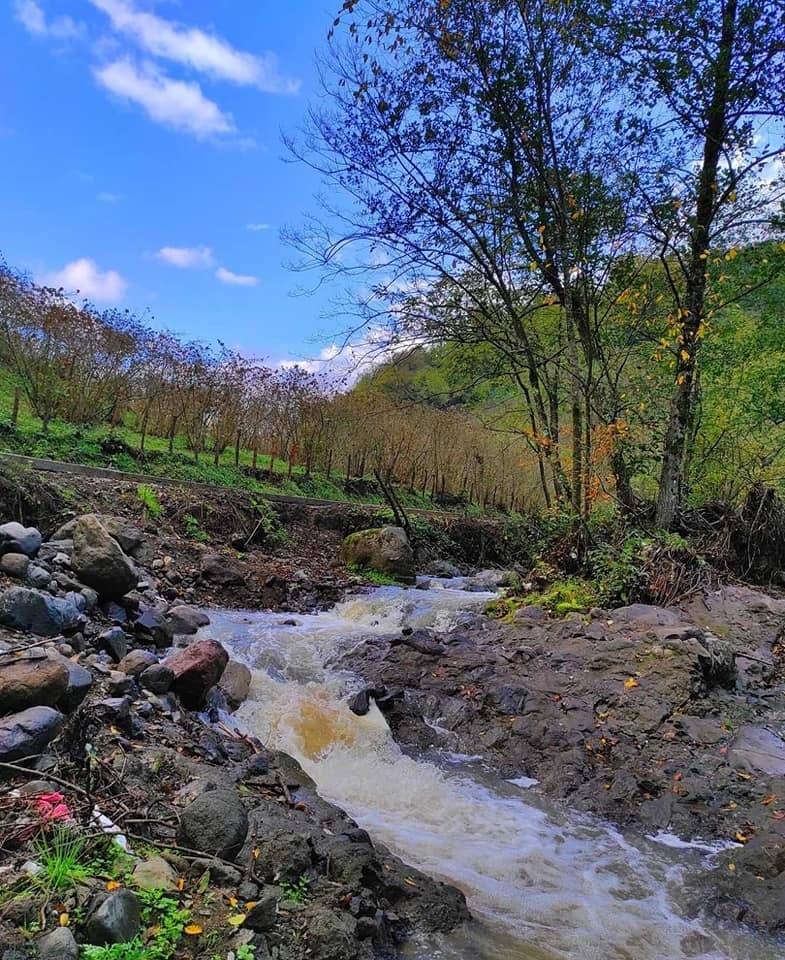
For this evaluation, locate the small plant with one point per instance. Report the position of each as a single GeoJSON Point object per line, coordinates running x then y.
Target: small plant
{"type": "Point", "coordinates": [61, 856]}
{"type": "Point", "coordinates": [298, 891]}
{"type": "Point", "coordinates": [194, 530]}
{"type": "Point", "coordinates": [380, 579]}
{"type": "Point", "coordinates": [151, 508]}
{"type": "Point", "coordinates": [246, 951]}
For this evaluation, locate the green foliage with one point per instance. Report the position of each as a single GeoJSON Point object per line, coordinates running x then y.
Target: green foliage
{"type": "Point", "coordinates": [194, 530]}
{"type": "Point", "coordinates": [298, 891]}
{"type": "Point", "coordinates": [380, 579]}
{"type": "Point", "coordinates": [269, 528]}
{"type": "Point", "coordinates": [161, 914]}
{"type": "Point", "coordinates": [152, 508]}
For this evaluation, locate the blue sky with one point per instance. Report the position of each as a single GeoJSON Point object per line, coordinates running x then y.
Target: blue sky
{"type": "Point", "coordinates": [141, 159]}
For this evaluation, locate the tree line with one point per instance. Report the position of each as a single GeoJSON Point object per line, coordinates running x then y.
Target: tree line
{"type": "Point", "coordinates": [74, 362]}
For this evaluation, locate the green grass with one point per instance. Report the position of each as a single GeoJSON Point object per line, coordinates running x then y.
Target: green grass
{"type": "Point", "coordinates": [61, 856]}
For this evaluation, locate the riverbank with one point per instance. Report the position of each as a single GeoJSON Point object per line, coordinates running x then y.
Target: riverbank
{"type": "Point", "coordinates": [662, 721]}
{"type": "Point", "coordinates": [112, 727]}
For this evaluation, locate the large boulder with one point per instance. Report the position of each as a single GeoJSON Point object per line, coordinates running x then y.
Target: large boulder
{"type": "Point", "coordinates": [196, 669]}
{"type": "Point", "coordinates": [128, 536]}
{"type": "Point", "coordinates": [235, 684]}
{"type": "Point", "coordinates": [39, 613]}
{"type": "Point", "coordinates": [98, 559]}
{"type": "Point", "coordinates": [216, 823]}
{"type": "Point", "coordinates": [14, 538]}
{"type": "Point", "coordinates": [221, 571]}
{"type": "Point", "coordinates": [187, 620]}
{"type": "Point", "coordinates": [117, 919]}
{"type": "Point", "coordinates": [382, 549]}
{"type": "Point", "coordinates": [25, 734]}
{"type": "Point", "coordinates": [31, 683]}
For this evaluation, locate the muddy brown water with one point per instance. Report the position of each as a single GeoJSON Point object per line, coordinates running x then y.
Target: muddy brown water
{"type": "Point", "coordinates": [542, 884]}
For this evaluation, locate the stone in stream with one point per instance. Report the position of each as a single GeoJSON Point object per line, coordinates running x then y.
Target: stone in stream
{"type": "Point", "coordinates": [185, 619]}
{"type": "Point", "coordinates": [26, 733]}
{"type": "Point", "coordinates": [215, 823]}
{"type": "Point", "coordinates": [38, 613]}
{"type": "Point", "coordinates": [235, 684]}
{"type": "Point", "coordinates": [14, 538]}
{"type": "Point", "coordinates": [152, 627]}
{"type": "Point", "coordinates": [196, 669]}
{"type": "Point", "coordinates": [15, 565]}
{"type": "Point", "coordinates": [117, 919]}
{"type": "Point", "coordinates": [98, 559]}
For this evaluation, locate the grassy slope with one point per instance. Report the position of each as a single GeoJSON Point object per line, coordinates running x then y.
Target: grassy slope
{"type": "Point", "coordinates": [118, 448]}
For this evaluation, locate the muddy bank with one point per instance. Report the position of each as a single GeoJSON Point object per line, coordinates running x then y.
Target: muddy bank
{"type": "Point", "coordinates": [659, 720]}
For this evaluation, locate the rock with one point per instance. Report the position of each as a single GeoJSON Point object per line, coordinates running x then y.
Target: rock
{"type": "Point", "coordinates": [445, 569]}
{"type": "Point", "coordinates": [38, 576]}
{"type": "Point", "coordinates": [215, 823]}
{"type": "Point", "coordinates": [221, 571]}
{"type": "Point", "coordinates": [115, 710]}
{"type": "Point", "coordinates": [117, 919]}
{"type": "Point", "coordinates": [126, 534]}
{"type": "Point", "coordinates": [261, 916]}
{"type": "Point", "coordinates": [647, 614]}
{"type": "Point", "coordinates": [185, 619]}
{"type": "Point", "coordinates": [31, 683]}
{"type": "Point", "coordinates": [58, 945]}
{"type": "Point", "coordinates": [151, 627]}
{"type": "Point", "coordinates": [155, 874]}
{"type": "Point", "coordinates": [99, 561]}
{"type": "Point", "coordinates": [383, 549]}
{"type": "Point", "coordinates": [136, 662]}
{"type": "Point", "coordinates": [115, 642]}
{"type": "Point", "coordinates": [157, 678]}
{"type": "Point", "coordinates": [38, 613]}
{"type": "Point", "coordinates": [79, 682]}
{"type": "Point", "coordinates": [15, 565]}
{"type": "Point", "coordinates": [235, 683]}
{"type": "Point", "coordinates": [14, 538]}
{"type": "Point", "coordinates": [331, 935]}
{"type": "Point", "coordinates": [25, 734]}
{"type": "Point", "coordinates": [196, 669]}
{"type": "Point", "coordinates": [120, 684]}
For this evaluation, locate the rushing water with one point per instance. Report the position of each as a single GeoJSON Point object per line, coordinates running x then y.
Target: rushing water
{"type": "Point", "coordinates": [542, 884]}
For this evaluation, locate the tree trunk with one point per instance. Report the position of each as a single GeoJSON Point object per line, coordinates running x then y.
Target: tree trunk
{"type": "Point", "coordinates": [670, 493]}
{"type": "Point", "coordinates": [237, 449]}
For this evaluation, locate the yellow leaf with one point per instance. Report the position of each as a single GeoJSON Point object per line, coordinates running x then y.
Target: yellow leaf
{"type": "Point", "coordinates": [181, 883]}
{"type": "Point", "coordinates": [743, 776]}
{"type": "Point", "coordinates": [409, 881]}
{"type": "Point", "coordinates": [769, 799]}
{"type": "Point", "coordinates": [741, 837]}
{"type": "Point", "coordinates": [632, 682]}
{"type": "Point", "coordinates": [233, 901]}
{"type": "Point", "coordinates": [685, 356]}
{"type": "Point", "coordinates": [112, 884]}
{"type": "Point", "coordinates": [250, 905]}
{"type": "Point", "coordinates": [64, 919]}
{"type": "Point", "coordinates": [193, 929]}
{"type": "Point", "coordinates": [541, 229]}
{"type": "Point", "coordinates": [256, 853]}
{"type": "Point", "coordinates": [731, 866]}
{"type": "Point", "coordinates": [236, 919]}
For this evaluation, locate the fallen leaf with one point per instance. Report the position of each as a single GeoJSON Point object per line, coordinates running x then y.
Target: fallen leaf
{"type": "Point", "coordinates": [731, 866]}
{"type": "Point", "coordinates": [678, 775]}
{"type": "Point", "coordinates": [743, 776]}
{"type": "Point", "coordinates": [766, 801]}
{"type": "Point", "coordinates": [409, 881]}
{"type": "Point", "coordinates": [779, 814]}
{"type": "Point", "coordinates": [256, 853]}
{"type": "Point", "coordinates": [236, 919]}
{"type": "Point", "coordinates": [233, 901]}
{"type": "Point", "coordinates": [64, 919]}
{"type": "Point", "coordinates": [204, 882]}
{"type": "Point", "coordinates": [193, 929]}
{"type": "Point", "coordinates": [181, 883]}
{"type": "Point", "coordinates": [112, 884]}
{"type": "Point", "coordinates": [632, 682]}
{"type": "Point", "coordinates": [250, 904]}
{"type": "Point", "coordinates": [741, 837]}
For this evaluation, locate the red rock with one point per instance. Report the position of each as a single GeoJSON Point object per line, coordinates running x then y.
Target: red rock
{"type": "Point", "coordinates": [196, 669]}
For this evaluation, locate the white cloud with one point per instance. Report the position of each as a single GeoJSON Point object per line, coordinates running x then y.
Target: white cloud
{"type": "Point", "coordinates": [106, 196]}
{"type": "Point", "coordinates": [195, 48]}
{"type": "Point", "coordinates": [32, 17]}
{"type": "Point", "coordinates": [177, 104]}
{"type": "Point", "coordinates": [187, 258]}
{"type": "Point", "coordinates": [255, 227]}
{"type": "Point", "coordinates": [84, 277]}
{"type": "Point", "coordinates": [236, 279]}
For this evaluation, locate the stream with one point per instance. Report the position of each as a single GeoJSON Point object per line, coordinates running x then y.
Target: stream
{"type": "Point", "coordinates": [542, 884]}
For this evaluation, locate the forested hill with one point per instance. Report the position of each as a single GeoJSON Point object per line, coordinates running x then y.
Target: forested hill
{"type": "Point", "coordinates": [738, 435]}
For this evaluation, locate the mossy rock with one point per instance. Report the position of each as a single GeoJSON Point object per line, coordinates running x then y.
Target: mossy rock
{"type": "Point", "coordinates": [383, 550]}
